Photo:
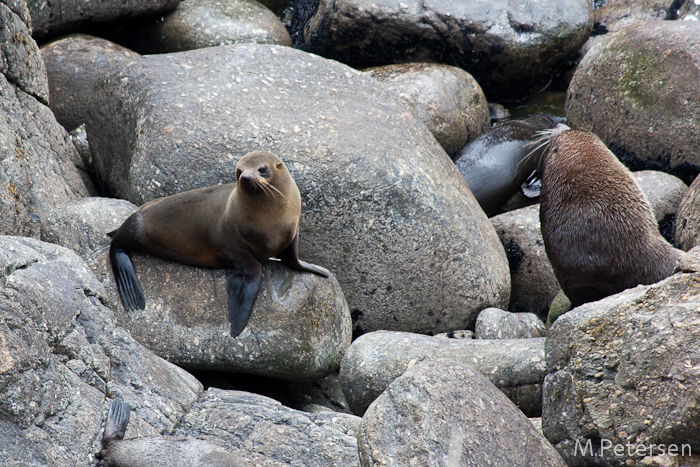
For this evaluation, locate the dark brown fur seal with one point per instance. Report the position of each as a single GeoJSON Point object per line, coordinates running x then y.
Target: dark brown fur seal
{"type": "Point", "coordinates": [236, 226]}
{"type": "Point", "coordinates": [157, 451]}
{"type": "Point", "coordinates": [497, 163]}
{"type": "Point", "coordinates": [598, 227]}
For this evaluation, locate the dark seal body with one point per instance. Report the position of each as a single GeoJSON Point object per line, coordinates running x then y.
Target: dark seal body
{"type": "Point", "coordinates": [236, 226]}
{"type": "Point", "coordinates": [497, 163]}
{"type": "Point", "coordinates": [598, 227]}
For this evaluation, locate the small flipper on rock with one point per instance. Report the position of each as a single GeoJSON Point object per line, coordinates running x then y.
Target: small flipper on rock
{"type": "Point", "coordinates": [242, 290]}
{"type": "Point", "coordinates": [125, 277]}
{"type": "Point", "coordinates": [115, 427]}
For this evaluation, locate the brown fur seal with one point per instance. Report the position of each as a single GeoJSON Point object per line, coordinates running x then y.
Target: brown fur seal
{"type": "Point", "coordinates": [598, 227]}
{"type": "Point", "coordinates": [497, 163]}
{"type": "Point", "coordinates": [236, 226]}
{"type": "Point", "coordinates": [157, 451]}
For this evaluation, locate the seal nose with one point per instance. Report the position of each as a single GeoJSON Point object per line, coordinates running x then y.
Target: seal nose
{"type": "Point", "coordinates": [249, 182]}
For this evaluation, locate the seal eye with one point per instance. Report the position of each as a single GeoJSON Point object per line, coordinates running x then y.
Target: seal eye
{"type": "Point", "coordinates": [263, 170]}
{"type": "Point", "coordinates": [238, 174]}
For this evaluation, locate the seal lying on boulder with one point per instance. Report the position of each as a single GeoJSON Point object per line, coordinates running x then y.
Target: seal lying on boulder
{"type": "Point", "coordinates": [237, 226]}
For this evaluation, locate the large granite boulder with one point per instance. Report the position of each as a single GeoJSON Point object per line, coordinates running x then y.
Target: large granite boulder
{"type": "Point", "coordinates": [374, 360]}
{"type": "Point", "coordinates": [195, 24]}
{"type": "Point", "coordinates": [62, 357]}
{"type": "Point", "coordinates": [383, 206]}
{"type": "Point", "coordinates": [623, 373]}
{"type": "Point", "coordinates": [511, 48]}
{"type": "Point", "coordinates": [634, 90]}
{"type": "Point", "coordinates": [73, 64]}
{"type": "Point", "coordinates": [39, 165]}
{"type": "Point", "coordinates": [300, 324]}
{"type": "Point", "coordinates": [444, 413]}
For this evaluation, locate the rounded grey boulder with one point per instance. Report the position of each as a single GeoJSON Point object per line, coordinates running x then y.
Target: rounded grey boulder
{"type": "Point", "coordinates": [633, 89]}
{"type": "Point", "coordinates": [383, 206]}
{"type": "Point", "coordinates": [446, 98]}
{"type": "Point", "coordinates": [444, 413]}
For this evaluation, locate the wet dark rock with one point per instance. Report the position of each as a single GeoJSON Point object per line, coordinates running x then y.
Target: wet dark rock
{"type": "Point", "coordinates": [512, 49]}
{"type": "Point", "coordinates": [55, 17]}
{"type": "Point", "coordinates": [73, 64]}
{"type": "Point", "coordinates": [373, 361]}
{"type": "Point", "coordinates": [195, 24]}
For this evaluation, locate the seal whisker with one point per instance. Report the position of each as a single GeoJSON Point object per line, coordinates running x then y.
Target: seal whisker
{"type": "Point", "coordinates": [542, 144]}
{"type": "Point", "coordinates": [272, 188]}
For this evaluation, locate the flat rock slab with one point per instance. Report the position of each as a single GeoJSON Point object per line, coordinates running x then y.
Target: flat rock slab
{"type": "Point", "coordinates": [268, 434]}
{"type": "Point", "coordinates": [374, 360]}
{"type": "Point", "coordinates": [444, 413]}
{"type": "Point", "coordinates": [384, 208]}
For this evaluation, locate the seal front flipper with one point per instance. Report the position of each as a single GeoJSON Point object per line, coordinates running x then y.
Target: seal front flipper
{"type": "Point", "coordinates": [290, 257]}
{"type": "Point", "coordinates": [125, 276]}
{"type": "Point", "coordinates": [242, 289]}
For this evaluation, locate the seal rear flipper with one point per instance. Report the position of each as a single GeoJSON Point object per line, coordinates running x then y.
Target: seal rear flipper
{"type": "Point", "coordinates": [290, 257]}
{"type": "Point", "coordinates": [242, 291]}
{"type": "Point", "coordinates": [117, 420]}
{"type": "Point", "coordinates": [125, 277]}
